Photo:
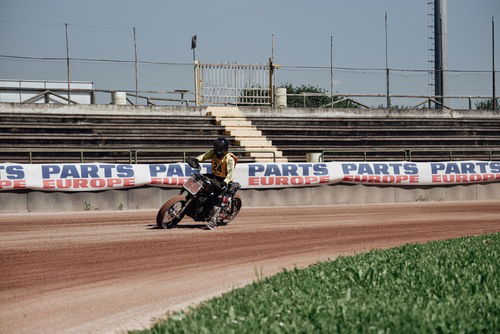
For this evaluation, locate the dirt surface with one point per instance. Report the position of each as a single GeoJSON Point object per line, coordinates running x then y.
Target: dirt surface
{"type": "Point", "coordinates": [103, 272]}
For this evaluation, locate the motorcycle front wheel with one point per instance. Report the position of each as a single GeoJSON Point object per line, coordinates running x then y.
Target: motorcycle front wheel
{"type": "Point", "coordinates": [171, 212]}
{"type": "Point", "coordinates": [236, 206]}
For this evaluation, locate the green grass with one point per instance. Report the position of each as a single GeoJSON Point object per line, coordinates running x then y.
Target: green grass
{"type": "Point", "coordinates": [440, 287]}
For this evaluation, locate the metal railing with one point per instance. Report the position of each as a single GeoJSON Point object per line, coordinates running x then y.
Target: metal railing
{"type": "Point", "coordinates": [31, 151]}
{"type": "Point", "coordinates": [406, 153]}
{"type": "Point", "coordinates": [186, 151]}
{"type": "Point", "coordinates": [133, 155]}
{"type": "Point", "coordinates": [187, 97]}
{"type": "Point", "coordinates": [428, 100]}
{"type": "Point", "coordinates": [45, 94]}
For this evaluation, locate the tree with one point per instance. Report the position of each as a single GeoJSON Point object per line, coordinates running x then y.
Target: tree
{"type": "Point", "coordinates": [257, 96]}
{"type": "Point", "coordinates": [313, 101]}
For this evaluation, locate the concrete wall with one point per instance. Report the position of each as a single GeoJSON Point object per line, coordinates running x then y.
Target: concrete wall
{"type": "Point", "coordinates": [366, 113]}
{"type": "Point", "coordinates": [100, 109]}
{"type": "Point", "coordinates": [103, 109]}
{"type": "Point", "coordinates": [154, 197]}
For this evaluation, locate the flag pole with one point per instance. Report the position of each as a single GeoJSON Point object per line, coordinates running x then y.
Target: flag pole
{"type": "Point", "coordinates": [196, 69]}
{"type": "Point", "coordinates": [193, 46]}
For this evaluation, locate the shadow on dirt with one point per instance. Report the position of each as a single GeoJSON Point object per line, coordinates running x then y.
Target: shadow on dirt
{"type": "Point", "coordinates": [184, 226]}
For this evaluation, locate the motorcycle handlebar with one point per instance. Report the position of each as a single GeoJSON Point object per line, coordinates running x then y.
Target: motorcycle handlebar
{"type": "Point", "coordinates": [193, 163]}
{"type": "Point", "coordinates": [213, 181]}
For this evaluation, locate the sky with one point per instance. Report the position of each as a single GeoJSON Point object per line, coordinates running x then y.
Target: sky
{"type": "Point", "coordinates": [241, 32]}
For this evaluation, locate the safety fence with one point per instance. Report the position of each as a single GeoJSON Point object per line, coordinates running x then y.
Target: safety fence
{"type": "Point", "coordinates": [410, 154]}
{"type": "Point", "coordinates": [131, 156]}
{"type": "Point", "coordinates": [236, 96]}
{"type": "Point", "coordinates": [30, 155]}
{"type": "Point", "coordinates": [199, 82]}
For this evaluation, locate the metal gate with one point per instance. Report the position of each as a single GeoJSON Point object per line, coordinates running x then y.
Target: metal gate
{"type": "Point", "coordinates": [234, 84]}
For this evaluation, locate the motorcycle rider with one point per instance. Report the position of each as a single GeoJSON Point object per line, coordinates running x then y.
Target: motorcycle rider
{"type": "Point", "coordinates": [223, 165]}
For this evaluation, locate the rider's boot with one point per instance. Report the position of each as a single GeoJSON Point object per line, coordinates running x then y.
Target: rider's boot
{"type": "Point", "coordinates": [215, 216]}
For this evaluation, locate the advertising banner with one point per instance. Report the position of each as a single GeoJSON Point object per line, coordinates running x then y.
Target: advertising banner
{"type": "Point", "coordinates": [101, 176]}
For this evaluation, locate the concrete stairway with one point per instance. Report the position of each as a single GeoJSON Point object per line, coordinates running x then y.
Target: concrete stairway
{"type": "Point", "coordinates": [246, 134]}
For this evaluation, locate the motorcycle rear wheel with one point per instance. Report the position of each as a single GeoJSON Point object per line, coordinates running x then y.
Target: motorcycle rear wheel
{"type": "Point", "coordinates": [237, 203]}
{"type": "Point", "coordinates": [171, 212]}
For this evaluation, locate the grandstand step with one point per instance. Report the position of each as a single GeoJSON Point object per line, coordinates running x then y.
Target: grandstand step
{"type": "Point", "coordinates": [244, 132]}
{"type": "Point", "coordinates": [306, 139]}
{"type": "Point", "coordinates": [349, 131]}
{"type": "Point", "coordinates": [119, 135]}
{"type": "Point", "coordinates": [265, 154]}
{"type": "Point", "coordinates": [266, 151]}
{"type": "Point", "coordinates": [225, 112]}
{"type": "Point", "coordinates": [266, 157]}
{"type": "Point", "coordinates": [151, 124]}
{"type": "Point", "coordinates": [92, 117]}
{"type": "Point", "coordinates": [253, 141]}
{"type": "Point", "coordinates": [307, 127]}
{"type": "Point", "coordinates": [235, 123]}
{"type": "Point", "coordinates": [262, 148]}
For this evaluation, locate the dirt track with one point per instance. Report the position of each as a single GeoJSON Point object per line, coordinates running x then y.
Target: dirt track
{"type": "Point", "coordinates": [99, 272]}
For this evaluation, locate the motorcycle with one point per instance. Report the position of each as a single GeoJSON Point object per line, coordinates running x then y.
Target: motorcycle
{"type": "Point", "coordinates": [197, 200]}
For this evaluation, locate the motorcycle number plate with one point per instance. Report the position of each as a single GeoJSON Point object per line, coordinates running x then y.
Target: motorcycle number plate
{"type": "Point", "coordinates": [192, 186]}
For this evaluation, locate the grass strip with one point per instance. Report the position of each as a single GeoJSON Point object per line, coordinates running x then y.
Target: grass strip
{"type": "Point", "coordinates": [447, 286]}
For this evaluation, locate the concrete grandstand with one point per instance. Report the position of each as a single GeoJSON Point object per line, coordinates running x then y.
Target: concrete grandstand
{"type": "Point", "coordinates": [74, 133]}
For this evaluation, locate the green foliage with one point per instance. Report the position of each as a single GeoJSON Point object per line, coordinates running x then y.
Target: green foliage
{"type": "Point", "coordinates": [255, 96]}
{"type": "Point", "coordinates": [397, 107]}
{"type": "Point", "coordinates": [441, 287]}
{"type": "Point", "coordinates": [313, 101]}
{"type": "Point", "coordinates": [487, 105]}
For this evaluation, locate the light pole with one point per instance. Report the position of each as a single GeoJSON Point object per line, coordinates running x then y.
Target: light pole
{"type": "Point", "coordinates": [331, 69]}
{"type": "Point", "coordinates": [387, 64]}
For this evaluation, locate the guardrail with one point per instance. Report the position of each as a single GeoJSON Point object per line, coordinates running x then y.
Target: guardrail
{"type": "Point", "coordinates": [35, 94]}
{"type": "Point", "coordinates": [407, 152]}
{"type": "Point", "coordinates": [31, 151]}
{"type": "Point", "coordinates": [186, 97]}
{"type": "Point", "coordinates": [132, 154]}
{"type": "Point", "coordinates": [184, 151]}
{"type": "Point", "coordinates": [425, 99]}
